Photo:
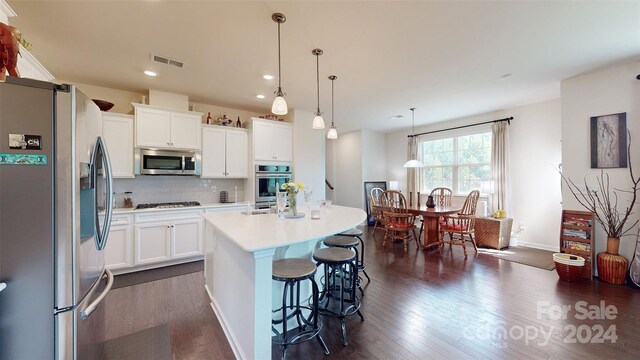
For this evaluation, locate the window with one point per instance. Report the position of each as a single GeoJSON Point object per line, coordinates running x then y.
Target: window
{"type": "Point", "coordinates": [460, 163]}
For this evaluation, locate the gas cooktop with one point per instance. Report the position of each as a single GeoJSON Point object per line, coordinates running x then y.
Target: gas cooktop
{"type": "Point", "coordinates": [167, 205]}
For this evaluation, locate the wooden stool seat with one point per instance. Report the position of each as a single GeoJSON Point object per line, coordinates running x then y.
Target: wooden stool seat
{"type": "Point", "coordinates": [334, 255]}
{"type": "Point", "coordinates": [345, 242]}
{"type": "Point", "coordinates": [292, 269]}
{"type": "Point", "coordinates": [355, 232]}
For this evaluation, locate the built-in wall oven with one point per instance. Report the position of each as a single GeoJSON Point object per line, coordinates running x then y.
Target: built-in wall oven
{"type": "Point", "coordinates": [269, 178]}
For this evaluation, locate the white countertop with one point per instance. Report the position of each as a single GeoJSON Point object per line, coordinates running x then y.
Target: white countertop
{"type": "Point", "coordinates": [202, 206]}
{"type": "Point", "coordinates": [266, 231]}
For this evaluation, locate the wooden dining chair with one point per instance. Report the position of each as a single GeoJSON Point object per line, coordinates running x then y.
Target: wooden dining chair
{"type": "Point", "coordinates": [375, 208]}
{"type": "Point", "coordinates": [460, 224]}
{"type": "Point", "coordinates": [399, 223]}
{"type": "Point", "coordinates": [442, 197]}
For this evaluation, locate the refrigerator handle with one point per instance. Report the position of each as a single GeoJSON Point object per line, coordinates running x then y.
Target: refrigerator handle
{"type": "Point", "coordinates": [102, 242]}
{"type": "Point", "coordinates": [84, 313]}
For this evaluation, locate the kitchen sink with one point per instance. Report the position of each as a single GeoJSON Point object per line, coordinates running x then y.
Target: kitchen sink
{"type": "Point", "coordinates": [257, 212]}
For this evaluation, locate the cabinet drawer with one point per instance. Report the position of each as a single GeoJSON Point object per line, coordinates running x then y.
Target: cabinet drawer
{"type": "Point", "coordinates": [117, 220]}
{"type": "Point", "coordinates": [167, 216]}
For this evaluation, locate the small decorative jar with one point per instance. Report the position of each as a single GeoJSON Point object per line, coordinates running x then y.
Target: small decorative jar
{"type": "Point", "coordinates": [430, 203]}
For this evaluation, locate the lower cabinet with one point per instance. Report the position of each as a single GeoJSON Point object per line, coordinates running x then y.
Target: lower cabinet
{"type": "Point", "coordinates": [161, 241]}
{"type": "Point", "coordinates": [117, 253]}
{"type": "Point", "coordinates": [152, 243]}
{"type": "Point", "coordinates": [186, 238]}
{"type": "Point", "coordinates": [142, 240]}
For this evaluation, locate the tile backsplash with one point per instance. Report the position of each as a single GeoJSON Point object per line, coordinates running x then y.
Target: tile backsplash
{"type": "Point", "coordinates": [153, 189]}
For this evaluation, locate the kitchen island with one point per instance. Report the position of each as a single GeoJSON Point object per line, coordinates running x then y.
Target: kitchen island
{"type": "Point", "coordinates": [239, 250]}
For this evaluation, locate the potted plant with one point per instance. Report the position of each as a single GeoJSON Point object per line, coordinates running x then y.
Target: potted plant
{"type": "Point", "coordinates": [603, 202]}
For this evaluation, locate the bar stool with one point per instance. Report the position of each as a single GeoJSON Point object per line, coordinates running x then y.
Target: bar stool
{"type": "Point", "coordinates": [292, 272]}
{"type": "Point", "coordinates": [340, 274]}
{"type": "Point", "coordinates": [357, 233]}
{"type": "Point", "coordinates": [346, 243]}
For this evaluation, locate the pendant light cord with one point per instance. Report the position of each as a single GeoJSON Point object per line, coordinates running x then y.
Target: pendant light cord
{"type": "Point", "coordinates": [332, 111]}
{"type": "Point", "coordinates": [413, 120]}
{"type": "Point", "coordinates": [279, 62]}
{"type": "Point", "coordinates": [413, 131]}
{"type": "Point", "coordinates": [318, 82]}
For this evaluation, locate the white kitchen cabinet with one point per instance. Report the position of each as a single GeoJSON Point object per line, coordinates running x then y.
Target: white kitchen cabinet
{"type": "Point", "coordinates": [224, 152]}
{"type": "Point", "coordinates": [186, 238]}
{"type": "Point", "coordinates": [168, 235]}
{"type": "Point", "coordinates": [117, 132]}
{"type": "Point", "coordinates": [185, 130]}
{"type": "Point", "coordinates": [117, 253]}
{"type": "Point", "coordinates": [272, 141]}
{"type": "Point", "coordinates": [153, 243]}
{"type": "Point", "coordinates": [166, 129]}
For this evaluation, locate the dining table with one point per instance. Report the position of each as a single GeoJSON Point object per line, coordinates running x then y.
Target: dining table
{"type": "Point", "coordinates": [431, 223]}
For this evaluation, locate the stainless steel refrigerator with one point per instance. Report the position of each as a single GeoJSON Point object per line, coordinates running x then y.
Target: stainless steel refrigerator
{"type": "Point", "coordinates": [55, 209]}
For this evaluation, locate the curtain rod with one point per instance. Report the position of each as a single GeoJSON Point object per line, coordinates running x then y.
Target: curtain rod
{"type": "Point", "coordinates": [508, 120]}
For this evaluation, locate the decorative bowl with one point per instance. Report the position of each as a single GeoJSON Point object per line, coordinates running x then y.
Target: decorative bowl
{"type": "Point", "coordinates": [103, 105]}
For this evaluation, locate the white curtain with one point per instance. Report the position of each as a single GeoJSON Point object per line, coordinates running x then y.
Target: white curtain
{"type": "Point", "coordinates": [412, 150]}
{"type": "Point", "coordinates": [499, 198]}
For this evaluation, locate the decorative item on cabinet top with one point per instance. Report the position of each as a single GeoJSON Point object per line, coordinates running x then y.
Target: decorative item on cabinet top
{"type": "Point", "coordinates": [103, 104]}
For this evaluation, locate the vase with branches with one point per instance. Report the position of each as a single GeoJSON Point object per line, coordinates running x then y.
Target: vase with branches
{"type": "Point", "coordinates": [602, 200]}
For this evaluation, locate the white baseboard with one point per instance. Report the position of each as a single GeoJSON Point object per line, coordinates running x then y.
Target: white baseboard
{"type": "Point", "coordinates": [237, 352]}
{"type": "Point", "coordinates": [539, 246]}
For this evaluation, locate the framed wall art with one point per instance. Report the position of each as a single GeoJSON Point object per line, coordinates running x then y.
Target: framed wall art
{"type": "Point", "coordinates": [609, 141]}
{"type": "Point", "coordinates": [368, 186]}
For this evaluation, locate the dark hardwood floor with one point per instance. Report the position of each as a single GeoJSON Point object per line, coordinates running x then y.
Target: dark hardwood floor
{"type": "Point", "coordinates": [419, 305]}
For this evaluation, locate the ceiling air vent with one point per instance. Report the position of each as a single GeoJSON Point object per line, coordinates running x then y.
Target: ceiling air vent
{"type": "Point", "coordinates": [166, 60]}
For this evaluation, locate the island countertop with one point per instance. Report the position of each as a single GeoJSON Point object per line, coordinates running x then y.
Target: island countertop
{"type": "Point", "coordinates": [266, 231]}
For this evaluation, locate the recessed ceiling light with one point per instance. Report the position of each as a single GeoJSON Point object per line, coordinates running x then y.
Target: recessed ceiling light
{"type": "Point", "coordinates": [267, 77]}
{"type": "Point", "coordinates": [150, 73]}
{"type": "Point", "coordinates": [505, 76]}
{"type": "Point", "coordinates": [260, 96]}
{"type": "Point", "coordinates": [395, 117]}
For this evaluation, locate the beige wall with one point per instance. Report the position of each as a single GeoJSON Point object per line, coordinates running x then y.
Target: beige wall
{"type": "Point", "coordinates": [609, 91]}
{"type": "Point", "coordinates": [122, 99]}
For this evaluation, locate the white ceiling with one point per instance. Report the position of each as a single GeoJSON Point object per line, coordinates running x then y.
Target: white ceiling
{"type": "Point", "coordinates": [444, 58]}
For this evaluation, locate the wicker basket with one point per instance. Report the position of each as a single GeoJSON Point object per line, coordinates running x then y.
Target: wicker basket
{"type": "Point", "coordinates": [493, 233]}
{"type": "Point", "coordinates": [569, 267]}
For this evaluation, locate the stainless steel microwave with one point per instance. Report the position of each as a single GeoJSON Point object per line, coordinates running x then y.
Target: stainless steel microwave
{"type": "Point", "coordinates": [167, 162]}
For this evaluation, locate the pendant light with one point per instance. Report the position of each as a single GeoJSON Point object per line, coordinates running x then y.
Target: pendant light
{"type": "Point", "coordinates": [332, 134]}
{"type": "Point", "coordinates": [413, 163]}
{"type": "Point", "coordinates": [318, 121]}
{"type": "Point", "coordinates": [279, 106]}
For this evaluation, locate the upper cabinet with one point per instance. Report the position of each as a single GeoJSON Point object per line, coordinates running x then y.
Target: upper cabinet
{"type": "Point", "coordinates": [272, 141]}
{"type": "Point", "coordinates": [224, 152]}
{"type": "Point", "coordinates": [166, 129]}
{"type": "Point", "coordinates": [117, 132]}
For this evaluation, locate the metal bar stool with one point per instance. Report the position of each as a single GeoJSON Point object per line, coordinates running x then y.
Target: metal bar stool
{"type": "Point", "coordinates": [357, 233]}
{"type": "Point", "coordinates": [292, 272]}
{"type": "Point", "coordinates": [338, 297]}
{"type": "Point", "coordinates": [346, 243]}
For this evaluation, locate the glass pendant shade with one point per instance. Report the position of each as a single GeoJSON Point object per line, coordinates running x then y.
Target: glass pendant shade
{"type": "Point", "coordinates": [332, 134]}
{"type": "Point", "coordinates": [279, 106]}
{"type": "Point", "coordinates": [413, 164]}
{"type": "Point", "coordinates": [318, 122]}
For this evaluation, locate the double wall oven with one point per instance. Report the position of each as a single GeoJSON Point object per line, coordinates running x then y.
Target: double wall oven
{"type": "Point", "coordinates": [269, 178]}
